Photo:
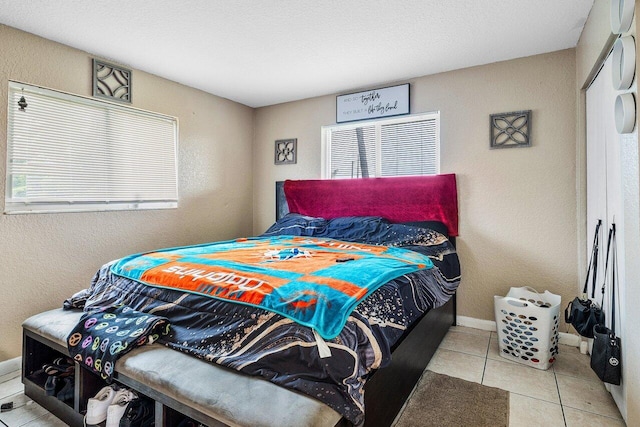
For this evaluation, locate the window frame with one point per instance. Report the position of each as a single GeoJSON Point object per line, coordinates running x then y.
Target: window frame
{"type": "Point", "coordinates": [17, 205]}
{"type": "Point", "coordinates": [378, 124]}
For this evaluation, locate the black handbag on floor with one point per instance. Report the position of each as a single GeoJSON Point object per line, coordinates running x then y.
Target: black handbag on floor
{"type": "Point", "coordinates": [606, 354]}
{"type": "Point", "coordinates": [582, 313]}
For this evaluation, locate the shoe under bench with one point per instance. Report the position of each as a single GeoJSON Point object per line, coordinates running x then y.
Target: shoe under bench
{"type": "Point", "coordinates": [180, 385]}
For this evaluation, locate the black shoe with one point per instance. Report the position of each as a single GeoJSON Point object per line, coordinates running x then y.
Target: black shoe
{"type": "Point", "coordinates": [51, 386]}
{"type": "Point", "coordinates": [139, 413]}
{"type": "Point", "coordinates": [60, 367]}
{"type": "Point", "coordinates": [66, 392]}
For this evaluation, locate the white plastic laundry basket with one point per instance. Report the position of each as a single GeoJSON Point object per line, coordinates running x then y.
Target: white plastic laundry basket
{"type": "Point", "coordinates": [527, 324]}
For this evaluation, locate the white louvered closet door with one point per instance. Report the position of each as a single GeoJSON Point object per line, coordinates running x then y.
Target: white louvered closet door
{"type": "Point", "coordinates": [604, 182]}
{"type": "Point", "coordinates": [599, 96]}
{"type": "Point", "coordinates": [612, 195]}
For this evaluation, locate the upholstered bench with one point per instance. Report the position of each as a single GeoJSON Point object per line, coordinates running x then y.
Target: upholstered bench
{"type": "Point", "coordinates": [206, 392]}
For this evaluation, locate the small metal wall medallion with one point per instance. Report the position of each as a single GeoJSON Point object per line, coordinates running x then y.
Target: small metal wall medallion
{"type": "Point", "coordinates": [111, 82]}
{"type": "Point", "coordinates": [510, 129]}
{"type": "Point", "coordinates": [285, 151]}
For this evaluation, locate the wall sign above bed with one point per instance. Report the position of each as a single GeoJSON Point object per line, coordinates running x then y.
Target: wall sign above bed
{"type": "Point", "coordinates": [373, 104]}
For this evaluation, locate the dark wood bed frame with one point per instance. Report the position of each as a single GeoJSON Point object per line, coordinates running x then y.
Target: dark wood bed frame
{"type": "Point", "coordinates": [389, 388]}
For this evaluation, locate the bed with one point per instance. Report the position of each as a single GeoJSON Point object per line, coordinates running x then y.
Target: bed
{"type": "Point", "coordinates": [429, 201]}
{"type": "Point", "coordinates": [396, 327]}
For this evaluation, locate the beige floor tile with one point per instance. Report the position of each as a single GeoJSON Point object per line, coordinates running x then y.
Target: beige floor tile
{"type": "Point", "coordinates": [25, 411]}
{"type": "Point", "coordinates": [10, 366]}
{"type": "Point", "coordinates": [11, 387]}
{"type": "Point", "coordinates": [521, 379]}
{"type": "Point", "coordinates": [587, 395]}
{"type": "Point", "coordinates": [529, 412]}
{"type": "Point", "coordinates": [9, 376]}
{"type": "Point", "coordinates": [572, 363]}
{"type": "Point", "coordinates": [472, 331]}
{"type": "Point", "coordinates": [476, 345]}
{"type": "Point", "coordinates": [577, 418]}
{"type": "Point", "coordinates": [18, 399]}
{"type": "Point", "coordinates": [48, 420]}
{"type": "Point", "coordinates": [459, 365]}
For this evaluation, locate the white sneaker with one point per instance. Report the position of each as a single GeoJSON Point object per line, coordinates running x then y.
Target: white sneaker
{"type": "Point", "coordinates": [97, 406]}
{"type": "Point", "coordinates": [119, 406]}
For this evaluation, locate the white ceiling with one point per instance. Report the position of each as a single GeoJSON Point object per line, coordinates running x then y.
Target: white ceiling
{"type": "Point", "coordinates": [264, 52]}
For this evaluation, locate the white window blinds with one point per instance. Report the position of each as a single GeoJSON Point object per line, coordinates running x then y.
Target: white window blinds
{"type": "Point", "coordinates": [353, 152]}
{"type": "Point", "coordinates": [409, 148]}
{"type": "Point", "coordinates": [409, 145]}
{"type": "Point", "coordinates": [70, 153]}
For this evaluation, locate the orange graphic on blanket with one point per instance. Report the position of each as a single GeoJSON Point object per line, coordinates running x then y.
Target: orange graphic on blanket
{"type": "Point", "coordinates": [287, 257]}
{"type": "Point", "coordinates": [347, 288]}
{"type": "Point", "coordinates": [213, 280]}
{"type": "Point", "coordinates": [304, 300]}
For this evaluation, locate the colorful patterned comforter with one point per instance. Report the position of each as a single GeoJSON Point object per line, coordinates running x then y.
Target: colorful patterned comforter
{"type": "Point", "coordinates": [260, 342]}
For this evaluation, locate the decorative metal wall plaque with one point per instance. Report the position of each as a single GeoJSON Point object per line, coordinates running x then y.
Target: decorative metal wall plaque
{"type": "Point", "coordinates": [510, 129]}
{"type": "Point", "coordinates": [285, 151]}
{"type": "Point", "coordinates": [111, 82]}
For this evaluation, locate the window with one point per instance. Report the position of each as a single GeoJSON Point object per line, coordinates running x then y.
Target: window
{"type": "Point", "coordinates": [70, 153]}
{"type": "Point", "coordinates": [393, 147]}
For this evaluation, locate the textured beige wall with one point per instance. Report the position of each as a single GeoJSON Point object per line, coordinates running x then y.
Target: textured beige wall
{"type": "Point", "coordinates": [47, 257]}
{"type": "Point", "coordinates": [517, 206]}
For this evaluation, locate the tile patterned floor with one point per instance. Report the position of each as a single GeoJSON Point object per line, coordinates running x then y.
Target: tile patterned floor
{"type": "Point", "coordinates": [567, 395]}
{"type": "Point", "coordinates": [26, 412]}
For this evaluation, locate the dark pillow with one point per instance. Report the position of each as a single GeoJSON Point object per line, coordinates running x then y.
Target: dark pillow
{"type": "Point", "coordinates": [367, 229]}
{"type": "Point", "coordinates": [294, 224]}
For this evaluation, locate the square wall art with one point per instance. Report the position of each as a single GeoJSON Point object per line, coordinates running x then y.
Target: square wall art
{"type": "Point", "coordinates": [285, 151]}
{"type": "Point", "coordinates": [510, 129]}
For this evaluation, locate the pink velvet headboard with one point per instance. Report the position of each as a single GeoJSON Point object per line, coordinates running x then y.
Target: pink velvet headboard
{"type": "Point", "coordinates": [399, 199]}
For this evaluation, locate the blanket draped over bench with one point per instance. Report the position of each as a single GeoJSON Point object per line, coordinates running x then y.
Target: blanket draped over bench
{"type": "Point", "coordinates": [315, 282]}
{"type": "Point", "coordinates": [103, 336]}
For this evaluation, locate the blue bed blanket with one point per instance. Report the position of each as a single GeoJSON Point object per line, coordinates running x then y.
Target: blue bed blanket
{"type": "Point", "coordinates": [316, 282]}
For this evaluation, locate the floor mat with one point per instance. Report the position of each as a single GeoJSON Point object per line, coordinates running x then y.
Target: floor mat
{"type": "Point", "coordinates": [443, 401]}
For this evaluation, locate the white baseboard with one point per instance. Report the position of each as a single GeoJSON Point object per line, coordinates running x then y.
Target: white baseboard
{"type": "Point", "coordinates": [490, 325]}
{"type": "Point", "coordinates": [11, 365]}
{"type": "Point", "coordinates": [471, 322]}
{"type": "Point", "coordinates": [572, 340]}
